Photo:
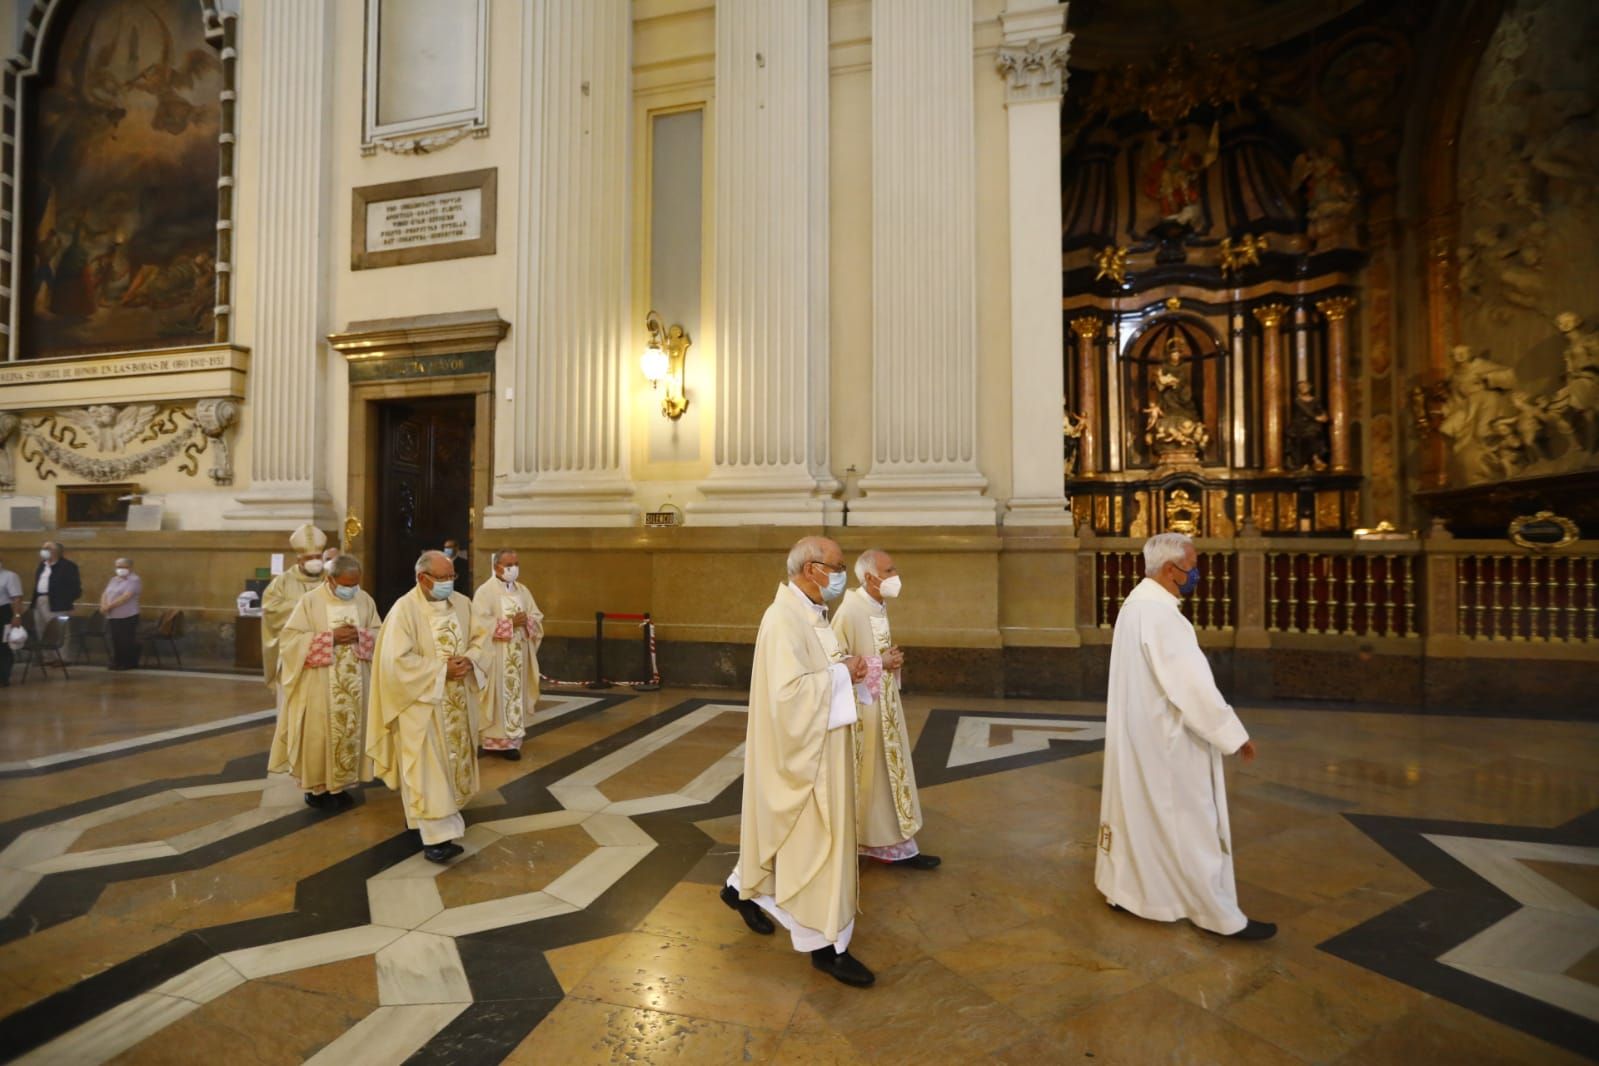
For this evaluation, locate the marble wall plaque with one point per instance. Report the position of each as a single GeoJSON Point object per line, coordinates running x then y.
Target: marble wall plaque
{"type": "Point", "coordinates": [450, 216]}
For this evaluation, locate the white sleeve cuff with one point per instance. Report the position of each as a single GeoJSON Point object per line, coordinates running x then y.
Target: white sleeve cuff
{"type": "Point", "coordinates": [841, 712]}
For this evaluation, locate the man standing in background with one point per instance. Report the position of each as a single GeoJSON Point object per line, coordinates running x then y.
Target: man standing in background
{"type": "Point", "coordinates": [462, 564]}
{"type": "Point", "coordinates": [56, 588]}
{"type": "Point", "coordinates": [10, 604]}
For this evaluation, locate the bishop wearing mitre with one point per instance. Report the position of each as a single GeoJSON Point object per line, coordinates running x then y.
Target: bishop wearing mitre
{"type": "Point", "coordinates": [324, 667]}
{"type": "Point", "coordinates": [422, 719]}
{"type": "Point", "coordinates": [505, 607]}
{"type": "Point", "coordinates": [796, 858]}
{"type": "Point", "coordinates": [1165, 842]}
{"type": "Point", "coordinates": [281, 596]}
{"type": "Point", "coordinates": [889, 810]}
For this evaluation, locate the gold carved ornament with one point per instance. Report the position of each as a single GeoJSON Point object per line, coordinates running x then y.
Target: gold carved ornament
{"type": "Point", "coordinates": [1231, 258]}
{"type": "Point", "coordinates": [1087, 327]}
{"type": "Point", "coordinates": [1569, 533]}
{"type": "Point", "coordinates": [1112, 263]}
{"type": "Point", "coordinates": [352, 529]}
{"type": "Point", "coordinates": [1182, 513]}
{"type": "Point", "coordinates": [1335, 308]}
{"type": "Point", "coordinates": [1270, 315]}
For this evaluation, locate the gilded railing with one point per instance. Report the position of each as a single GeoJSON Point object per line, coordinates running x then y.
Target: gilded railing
{"type": "Point", "coordinates": [1118, 571]}
{"type": "Point", "coordinates": [1521, 596]}
{"type": "Point", "coordinates": [1342, 592]}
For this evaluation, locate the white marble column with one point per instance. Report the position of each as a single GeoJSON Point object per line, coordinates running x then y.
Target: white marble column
{"type": "Point", "coordinates": [563, 447]}
{"type": "Point", "coordinates": [770, 464]}
{"type": "Point", "coordinates": [1032, 59]}
{"type": "Point", "coordinates": [288, 433]}
{"type": "Point", "coordinates": [924, 271]}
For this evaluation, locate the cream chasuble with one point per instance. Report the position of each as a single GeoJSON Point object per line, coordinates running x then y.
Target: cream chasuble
{"type": "Point", "coordinates": [421, 730]}
{"type": "Point", "coordinates": [797, 834]}
{"type": "Point", "coordinates": [890, 811]}
{"type": "Point", "coordinates": [510, 660]}
{"type": "Point", "coordinates": [321, 732]}
{"type": "Point", "coordinates": [1165, 845]}
{"type": "Point", "coordinates": [277, 603]}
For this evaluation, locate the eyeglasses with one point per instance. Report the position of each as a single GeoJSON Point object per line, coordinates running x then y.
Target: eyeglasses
{"type": "Point", "coordinates": [839, 569]}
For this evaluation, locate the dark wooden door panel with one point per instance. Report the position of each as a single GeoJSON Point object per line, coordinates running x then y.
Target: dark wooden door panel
{"type": "Point", "coordinates": [424, 486]}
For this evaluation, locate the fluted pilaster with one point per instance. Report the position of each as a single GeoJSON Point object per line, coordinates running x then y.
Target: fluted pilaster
{"type": "Point", "coordinates": [1032, 60]}
{"type": "Point", "coordinates": [770, 463]}
{"type": "Point", "coordinates": [564, 445]}
{"type": "Point", "coordinates": [288, 439]}
{"type": "Point", "coordinates": [924, 262]}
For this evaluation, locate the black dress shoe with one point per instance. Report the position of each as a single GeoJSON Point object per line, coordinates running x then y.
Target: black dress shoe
{"type": "Point", "coordinates": [342, 800]}
{"type": "Point", "coordinates": [319, 800]}
{"type": "Point", "coordinates": [842, 966]}
{"type": "Point", "coordinates": [922, 861]}
{"type": "Point", "coordinates": [1255, 931]}
{"type": "Point", "coordinates": [749, 910]}
{"type": "Point", "coordinates": [511, 755]}
{"type": "Point", "coordinates": [442, 853]}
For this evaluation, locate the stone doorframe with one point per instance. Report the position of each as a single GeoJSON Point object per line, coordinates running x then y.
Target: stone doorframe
{"type": "Point", "coordinates": [409, 358]}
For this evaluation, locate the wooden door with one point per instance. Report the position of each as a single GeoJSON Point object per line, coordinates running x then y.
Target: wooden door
{"type": "Point", "coordinates": [424, 471]}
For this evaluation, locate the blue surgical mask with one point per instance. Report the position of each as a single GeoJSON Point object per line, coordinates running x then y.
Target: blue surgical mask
{"type": "Point", "coordinates": [441, 590]}
{"type": "Point", "coordinates": [835, 585]}
{"type": "Point", "coordinates": [1190, 583]}
{"type": "Point", "coordinates": [345, 592]}
{"type": "Point", "coordinates": [449, 553]}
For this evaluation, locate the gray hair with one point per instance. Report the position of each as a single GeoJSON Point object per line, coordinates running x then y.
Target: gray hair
{"type": "Point", "coordinates": [869, 561]}
{"type": "Point", "coordinates": [805, 551]}
{"type": "Point", "coordinates": [494, 560]}
{"type": "Point", "coordinates": [344, 564]}
{"type": "Point", "coordinates": [1164, 548]}
{"type": "Point", "coordinates": [425, 560]}
{"type": "Point", "coordinates": [122, 560]}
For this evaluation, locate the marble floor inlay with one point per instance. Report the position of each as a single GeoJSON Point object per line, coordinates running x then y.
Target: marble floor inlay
{"type": "Point", "coordinates": [165, 900]}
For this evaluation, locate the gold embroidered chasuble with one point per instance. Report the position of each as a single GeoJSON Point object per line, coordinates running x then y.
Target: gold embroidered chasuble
{"type": "Point", "coordinates": [797, 831]}
{"type": "Point", "coordinates": [422, 728]}
{"type": "Point", "coordinates": [321, 730]}
{"type": "Point", "coordinates": [890, 810]}
{"type": "Point", "coordinates": [277, 603]}
{"type": "Point", "coordinates": [510, 661]}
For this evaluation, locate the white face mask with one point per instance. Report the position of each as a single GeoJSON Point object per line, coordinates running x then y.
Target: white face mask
{"type": "Point", "coordinates": [312, 566]}
{"type": "Point", "coordinates": [44, 553]}
{"type": "Point", "coordinates": [512, 572]}
{"type": "Point", "coordinates": [890, 587]}
{"type": "Point", "coordinates": [123, 571]}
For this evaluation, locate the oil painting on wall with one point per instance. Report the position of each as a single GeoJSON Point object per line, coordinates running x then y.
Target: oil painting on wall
{"type": "Point", "coordinates": [120, 182]}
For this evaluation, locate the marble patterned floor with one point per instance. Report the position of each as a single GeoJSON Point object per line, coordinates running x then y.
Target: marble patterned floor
{"type": "Point", "coordinates": [1436, 879]}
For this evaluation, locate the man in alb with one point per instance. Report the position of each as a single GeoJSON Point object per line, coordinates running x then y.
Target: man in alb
{"type": "Point", "coordinates": [796, 859]}
{"type": "Point", "coordinates": [505, 607]}
{"type": "Point", "coordinates": [281, 596]}
{"type": "Point", "coordinates": [324, 670]}
{"type": "Point", "coordinates": [1165, 845]}
{"type": "Point", "coordinates": [422, 719]}
{"type": "Point", "coordinates": [890, 813]}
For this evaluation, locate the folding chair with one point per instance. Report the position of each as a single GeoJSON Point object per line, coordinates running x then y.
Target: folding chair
{"type": "Point", "coordinates": [94, 632]}
{"type": "Point", "coordinates": [168, 629]}
{"type": "Point", "coordinates": [47, 646]}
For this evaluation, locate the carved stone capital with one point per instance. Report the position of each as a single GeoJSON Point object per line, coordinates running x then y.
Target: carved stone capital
{"type": "Point", "coordinates": [1035, 70]}
{"type": "Point", "coordinates": [1087, 327]}
{"type": "Point", "coordinates": [1335, 308]}
{"type": "Point", "coordinates": [215, 417]}
{"type": "Point", "coordinates": [1270, 315]}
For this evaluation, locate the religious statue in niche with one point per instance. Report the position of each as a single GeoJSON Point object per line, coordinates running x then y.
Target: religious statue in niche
{"type": "Point", "coordinates": [1576, 403]}
{"type": "Point", "coordinates": [1332, 198]}
{"type": "Point", "coordinates": [1173, 424]}
{"type": "Point", "coordinates": [1307, 430]}
{"type": "Point", "coordinates": [1479, 401]}
{"type": "Point", "coordinates": [119, 183]}
{"type": "Point", "coordinates": [1072, 425]}
{"type": "Point", "coordinates": [1176, 168]}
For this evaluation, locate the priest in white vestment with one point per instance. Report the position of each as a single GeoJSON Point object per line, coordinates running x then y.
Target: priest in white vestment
{"type": "Point", "coordinates": [423, 717]}
{"type": "Point", "coordinates": [796, 860]}
{"type": "Point", "coordinates": [324, 670]}
{"type": "Point", "coordinates": [890, 812]}
{"type": "Point", "coordinates": [281, 596]}
{"type": "Point", "coordinates": [505, 607]}
{"type": "Point", "coordinates": [1165, 845]}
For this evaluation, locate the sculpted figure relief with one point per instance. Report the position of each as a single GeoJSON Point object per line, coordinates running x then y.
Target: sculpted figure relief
{"type": "Point", "coordinates": [1172, 421]}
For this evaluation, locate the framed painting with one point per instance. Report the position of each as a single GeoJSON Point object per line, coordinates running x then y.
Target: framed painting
{"type": "Point", "coordinates": [79, 506]}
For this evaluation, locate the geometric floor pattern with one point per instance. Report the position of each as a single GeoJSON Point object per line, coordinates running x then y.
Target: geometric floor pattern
{"type": "Point", "coordinates": [164, 900]}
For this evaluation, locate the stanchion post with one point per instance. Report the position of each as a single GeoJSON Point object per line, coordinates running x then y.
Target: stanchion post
{"type": "Point", "coordinates": [599, 652]}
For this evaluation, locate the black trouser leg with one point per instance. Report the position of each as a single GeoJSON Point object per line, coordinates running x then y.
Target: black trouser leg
{"type": "Point", "coordinates": [6, 658]}
{"type": "Point", "coordinates": [124, 633]}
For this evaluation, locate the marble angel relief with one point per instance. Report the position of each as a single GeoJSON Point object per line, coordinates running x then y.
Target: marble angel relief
{"type": "Point", "coordinates": [1497, 429]}
{"type": "Point", "coordinates": [53, 441]}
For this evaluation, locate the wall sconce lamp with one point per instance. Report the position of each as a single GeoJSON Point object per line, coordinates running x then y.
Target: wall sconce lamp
{"type": "Point", "coordinates": [663, 359]}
